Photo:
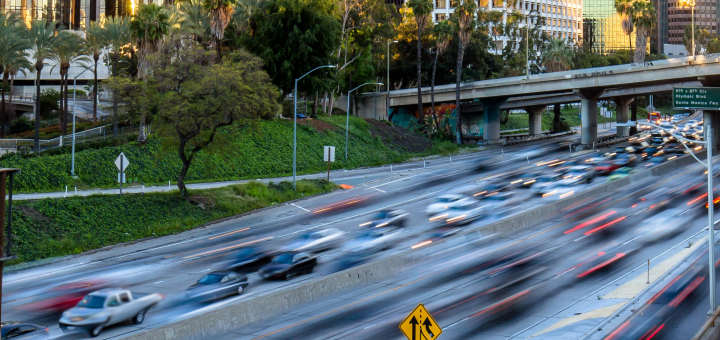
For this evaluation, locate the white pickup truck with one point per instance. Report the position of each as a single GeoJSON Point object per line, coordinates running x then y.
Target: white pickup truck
{"type": "Point", "coordinates": [104, 308]}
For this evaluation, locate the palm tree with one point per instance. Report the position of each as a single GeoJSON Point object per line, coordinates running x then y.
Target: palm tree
{"type": "Point", "coordinates": [645, 18]}
{"type": "Point", "coordinates": [557, 57]}
{"type": "Point", "coordinates": [245, 14]}
{"type": "Point", "coordinates": [95, 44]}
{"type": "Point", "coordinates": [624, 9]}
{"type": "Point", "coordinates": [196, 21]}
{"type": "Point", "coordinates": [442, 31]}
{"type": "Point", "coordinates": [18, 63]}
{"type": "Point", "coordinates": [220, 14]}
{"type": "Point", "coordinates": [42, 38]}
{"type": "Point", "coordinates": [465, 14]}
{"type": "Point", "coordinates": [117, 34]}
{"type": "Point", "coordinates": [421, 10]}
{"type": "Point", "coordinates": [148, 29]}
{"type": "Point", "coordinates": [69, 50]}
{"type": "Point", "coordinates": [12, 46]}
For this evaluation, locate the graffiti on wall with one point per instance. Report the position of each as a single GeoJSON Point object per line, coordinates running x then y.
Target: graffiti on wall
{"type": "Point", "coordinates": [472, 124]}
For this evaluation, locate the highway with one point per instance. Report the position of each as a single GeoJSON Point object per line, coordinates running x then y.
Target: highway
{"type": "Point", "coordinates": [170, 264]}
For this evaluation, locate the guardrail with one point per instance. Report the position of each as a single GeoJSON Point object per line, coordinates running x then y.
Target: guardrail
{"type": "Point", "coordinates": [529, 138]}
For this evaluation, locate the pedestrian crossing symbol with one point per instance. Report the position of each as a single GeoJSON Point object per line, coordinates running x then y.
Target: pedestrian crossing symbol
{"type": "Point", "coordinates": [420, 325]}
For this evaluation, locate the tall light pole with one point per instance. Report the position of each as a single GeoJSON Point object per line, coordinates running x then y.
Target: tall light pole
{"type": "Point", "coordinates": [387, 96]}
{"type": "Point", "coordinates": [72, 166]}
{"type": "Point", "coordinates": [295, 120]}
{"type": "Point", "coordinates": [527, 47]}
{"type": "Point", "coordinates": [710, 208]}
{"type": "Point", "coordinates": [347, 118]}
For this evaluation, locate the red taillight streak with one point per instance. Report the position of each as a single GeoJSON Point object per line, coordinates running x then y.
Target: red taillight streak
{"type": "Point", "coordinates": [605, 225]}
{"type": "Point", "coordinates": [613, 259]}
{"type": "Point", "coordinates": [499, 303]}
{"type": "Point", "coordinates": [655, 332]}
{"type": "Point", "coordinates": [663, 290]}
{"type": "Point", "coordinates": [678, 299]}
{"type": "Point", "coordinates": [582, 263]}
{"type": "Point", "coordinates": [697, 199]}
{"type": "Point", "coordinates": [691, 189]}
{"type": "Point", "coordinates": [634, 205]}
{"type": "Point", "coordinates": [587, 223]}
{"type": "Point", "coordinates": [617, 331]}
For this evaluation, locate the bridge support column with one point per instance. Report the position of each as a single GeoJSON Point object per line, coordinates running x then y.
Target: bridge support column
{"type": "Point", "coordinates": [623, 114]}
{"type": "Point", "coordinates": [588, 114]}
{"type": "Point", "coordinates": [712, 118]}
{"type": "Point", "coordinates": [491, 118]}
{"type": "Point", "coordinates": [535, 113]}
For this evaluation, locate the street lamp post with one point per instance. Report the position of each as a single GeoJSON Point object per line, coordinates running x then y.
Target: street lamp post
{"type": "Point", "coordinates": [347, 118]}
{"type": "Point", "coordinates": [711, 220]}
{"type": "Point", "coordinates": [387, 96]}
{"type": "Point", "coordinates": [691, 3]}
{"type": "Point", "coordinates": [72, 166]}
{"type": "Point", "coordinates": [295, 120]}
{"type": "Point", "coordinates": [527, 48]}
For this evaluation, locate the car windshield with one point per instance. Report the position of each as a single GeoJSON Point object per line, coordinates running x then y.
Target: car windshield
{"type": "Point", "coordinates": [210, 279]}
{"type": "Point", "coordinates": [92, 301]}
{"type": "Point", "coordinates": [382, 214]}
{"type": "Point", "coordinates": [246, 252]}
{"type": "Point", "coordinates": [283, 258]}
{"type": "Point", "coordinates": [444, 199]}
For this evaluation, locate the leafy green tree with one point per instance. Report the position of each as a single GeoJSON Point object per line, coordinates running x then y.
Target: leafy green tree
{"type": "Point", "coordinates": [465, 23]}
{"type": "Point", "coordinates": [148, 30]}
{"type": "Point", "coordinates": [194, 96]}
{"type": "Point", "coordinates": [713, 46]}
{"type": "Point", "coordinates": [645, 18]}
{"type": "Point", "coordinates": [95, 44]}
{"type": "Point", "coordinates": [421, 10]}
{"type": "Point", "coordinates": [43, 40]}
{"type": "Point", "coordinates": [293, 37]}
{"type": "Point", "coordinates": [442, 32]}
{"type": "Point", "coordinates": [17, 63]}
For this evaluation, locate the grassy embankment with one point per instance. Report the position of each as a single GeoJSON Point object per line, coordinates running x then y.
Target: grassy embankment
{"type": "Point", "coordinates": [63, 226]}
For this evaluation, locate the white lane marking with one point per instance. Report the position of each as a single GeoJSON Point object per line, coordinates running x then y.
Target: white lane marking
{"type": "Point", "coordinates": [295, 205]}
{"type": "Point", "coordinates": [383, 191]}
{"type": "Point", "coordinates": [158, 282]}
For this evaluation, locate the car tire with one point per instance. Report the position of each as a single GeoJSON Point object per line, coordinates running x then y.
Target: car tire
{"type": "Point", "coordinates": [240, 290]}
{"type": "Point", "coordinates": [96, 330]}
{"type": "Point", "coordinates": [139, 318]}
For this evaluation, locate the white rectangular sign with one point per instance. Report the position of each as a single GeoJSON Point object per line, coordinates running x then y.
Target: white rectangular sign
{"type": "Point", "coordinates": [123, 178]}
{"type": "Point", "coordinates": [329, 155]}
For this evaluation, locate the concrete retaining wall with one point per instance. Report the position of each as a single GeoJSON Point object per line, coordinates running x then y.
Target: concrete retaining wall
{"type": "Point", "coordinates": [244, 312]}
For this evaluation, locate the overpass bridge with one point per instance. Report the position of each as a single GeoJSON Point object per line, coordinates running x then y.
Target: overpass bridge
{"type": "Point", "coordinates": [617, 83]}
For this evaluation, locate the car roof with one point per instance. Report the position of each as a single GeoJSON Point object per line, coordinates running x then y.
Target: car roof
{"type": "Point", "coordinates": [107, 291]}
{"type": "Point", "coordinates": [220, 272]}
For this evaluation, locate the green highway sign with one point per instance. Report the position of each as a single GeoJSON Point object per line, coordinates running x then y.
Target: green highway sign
{"type": "Point", "coordinates": [696, 98]}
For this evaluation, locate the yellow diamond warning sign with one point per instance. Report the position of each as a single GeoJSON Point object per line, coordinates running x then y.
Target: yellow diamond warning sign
{"type": "Point", "coordinates": [420, 325]}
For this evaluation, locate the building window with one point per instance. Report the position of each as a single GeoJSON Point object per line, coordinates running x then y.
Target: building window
{"type": "Point", "coordinates": [498, 45]}
{"type": "Point", "coordinates": [439, 17]}
{"type": "Point", "coordinates": [497, 3]}
{"type": "Point", "coordinates": [440, 4]}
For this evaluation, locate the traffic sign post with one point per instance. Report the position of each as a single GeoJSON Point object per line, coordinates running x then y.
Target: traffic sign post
{"type": "Point", "coordinates": [329, 156]}
{"type": "Point", "coordinates": [419, 324]}
{"type": "Point", "coordinates": [696, 98]}
{"type": "Point", "coordinates": [121, 163]}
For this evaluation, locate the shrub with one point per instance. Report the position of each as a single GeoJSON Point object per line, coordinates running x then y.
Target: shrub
{"type": "Point", "coordinates": [21, 124]}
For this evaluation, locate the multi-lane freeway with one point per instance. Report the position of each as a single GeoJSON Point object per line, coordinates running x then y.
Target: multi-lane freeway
{"type": "Point", "coordinates": [521, 285]}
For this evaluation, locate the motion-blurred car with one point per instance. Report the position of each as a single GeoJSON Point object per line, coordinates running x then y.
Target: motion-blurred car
{"type": "Point", "coordinates": [288, 265]}
{"type": "Point", "coordinates": [217, 285]}
{"type": "Point", "coordinates": [693, 122]}
{"type": "Point", "coordinates": [107, 307]}
{"type": "Point", "coordinates": [527, 179]}
{"type": "Point", "coordinates": [444, 202]}
{"type": "Point", "coordinates": [662, 225]}
{"type": "Point", "coordinates": [374, 240]}
{"type": "Point", "coordinates": [655, 161]}
{"type": "Point", "coordinates": [460, 214]}
{"type": "Point", "coordinates": [559, 189]}
{"type": "Point", "coordinates": [620, 173]}
{"type": "Point", "coordinates": [605, 168]}
{"type": "Point", "coordinates": [22, 330]}
{"type": "Point", "coordinates": [249, 259]}
{"type": "Point", "coordinates": [388, 218]}
{"type": "Point", "coordinates": [63, 297]}
{"type": "Point", "coordinates": [316, 241]}
{"type": "Point", "coordinates": [625, 160]}
{"type": "Point", "coordinates": [603, 258]}
{"type": "Point", "coordinates": [582, 173]}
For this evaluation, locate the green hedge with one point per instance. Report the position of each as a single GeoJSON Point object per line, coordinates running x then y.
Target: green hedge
{"type": "Point", "coordinates": [63, 226]}
{"type": "Point", "coordinates": [261, 151]}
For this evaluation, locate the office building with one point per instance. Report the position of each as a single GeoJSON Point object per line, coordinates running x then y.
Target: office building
{"type": "Point", "coordinates": [679, 17]}
{"type": "Point", "coordinates": [603, 28]}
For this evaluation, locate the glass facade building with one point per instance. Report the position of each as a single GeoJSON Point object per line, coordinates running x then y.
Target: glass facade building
{"type": "Point", "coordinates": [680, 17]}
{"type": "Point", "coordinates": [602, 28]}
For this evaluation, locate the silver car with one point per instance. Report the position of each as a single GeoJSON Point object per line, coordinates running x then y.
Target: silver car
{"type": "Point", "coordinates": [445, 202]}
{"type": "Point", "coordinates": [375, 240]}
{"type": "Point", "coordinates": [316, 241]}
{"type": "Point", "coordinates": [107, 307]}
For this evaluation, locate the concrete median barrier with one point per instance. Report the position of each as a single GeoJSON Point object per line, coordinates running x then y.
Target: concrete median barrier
{"type": "Point", "coordinates": [205, 324]}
